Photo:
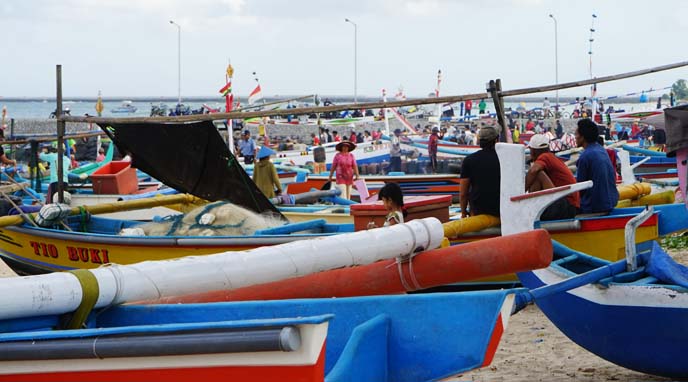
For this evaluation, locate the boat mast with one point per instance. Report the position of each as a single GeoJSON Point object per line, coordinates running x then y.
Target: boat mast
{"type": "Point", "coordinates": [384, 111]}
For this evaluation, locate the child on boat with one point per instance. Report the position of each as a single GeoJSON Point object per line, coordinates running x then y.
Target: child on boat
{"type": "Point", "coordinates": [393, 200]}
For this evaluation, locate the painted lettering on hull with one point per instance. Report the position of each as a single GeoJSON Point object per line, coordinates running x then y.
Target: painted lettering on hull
{"type": "Point", "coordinates": [80, 254]}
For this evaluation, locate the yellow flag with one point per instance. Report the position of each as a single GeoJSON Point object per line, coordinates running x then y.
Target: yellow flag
{"type": "Point", "coordinates": [230, 71]}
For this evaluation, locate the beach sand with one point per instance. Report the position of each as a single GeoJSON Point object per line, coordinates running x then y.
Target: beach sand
{"type": "Point", "coordinates": [533, 349]}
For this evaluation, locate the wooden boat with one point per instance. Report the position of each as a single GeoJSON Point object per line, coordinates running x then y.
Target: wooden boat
{"type": "Point", "coordinates": [447, 184]}
{"type": "Point", "coordinates": [299, 339]}
{"type": "Point", "coordinates": [381, 338]}
{"type": "Point", "coordinates": [631, 312]}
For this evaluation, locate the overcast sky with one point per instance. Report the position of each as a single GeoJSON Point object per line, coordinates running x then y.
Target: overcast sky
{"type": "Point", "coordinates": [129, 48]}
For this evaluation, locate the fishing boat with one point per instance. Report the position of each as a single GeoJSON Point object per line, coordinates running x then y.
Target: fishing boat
{"type": "Point", "coordinates": [308, 339]}
{"type": "Point", "coordinates": [125, 107]}
{"type": "Point", "coordinates": [381, 338]}
{"type": "Point", "coordinates": [439, 184]}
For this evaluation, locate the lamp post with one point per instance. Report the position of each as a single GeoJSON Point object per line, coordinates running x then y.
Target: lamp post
{"type": "Point", "coordinates": [179, 62]}
{"type": "Point", "coordinates": [556, 62]}
{"type": "Point", "coordinates": [355, 59]}
{"type": "Point", "coordinates": [593, 88]}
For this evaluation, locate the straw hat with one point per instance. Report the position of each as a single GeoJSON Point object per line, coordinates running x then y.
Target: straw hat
{"type": "Point", "coordinates": [352, 146]}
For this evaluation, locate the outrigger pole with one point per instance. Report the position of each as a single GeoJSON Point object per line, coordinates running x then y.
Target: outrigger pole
{"type": "Point", "coordinates": [371, 105]}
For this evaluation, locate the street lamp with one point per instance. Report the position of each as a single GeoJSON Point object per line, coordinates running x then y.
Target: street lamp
{"type": "Point", "coordinates": [179, 62]}
{"type": "Point", "coordinates": [556, 62]}
{"type": "Point", "coordinates": [355, 59]}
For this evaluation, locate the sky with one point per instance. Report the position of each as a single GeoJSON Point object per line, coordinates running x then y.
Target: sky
{"type": "Point", "coordinates": [128, 48]}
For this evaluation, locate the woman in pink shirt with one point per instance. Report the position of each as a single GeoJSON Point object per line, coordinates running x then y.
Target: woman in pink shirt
{"type": "Point", "coordinates": [345, 165]}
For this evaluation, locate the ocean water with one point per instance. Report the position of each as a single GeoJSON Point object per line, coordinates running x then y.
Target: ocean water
{"type": "Point", "coordinates": [42, 109]}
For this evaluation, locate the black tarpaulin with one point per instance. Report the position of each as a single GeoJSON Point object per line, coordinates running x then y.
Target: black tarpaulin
{"type": "Point", "coordinates": [191, 158]}
{"type": "Point", "coordinates": [676, 127]}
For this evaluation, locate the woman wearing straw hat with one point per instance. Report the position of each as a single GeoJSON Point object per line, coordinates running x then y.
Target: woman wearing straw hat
{"type": "Point", "coordinates": [265, 174]}
{"type": "Point", "coordinates": [345, 165]}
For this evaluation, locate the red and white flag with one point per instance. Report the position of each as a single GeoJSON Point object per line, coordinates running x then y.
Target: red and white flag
{"type": "Point", "coordinates": [439, 81]}
{"type": "Point", "coordinates": [255, 96]}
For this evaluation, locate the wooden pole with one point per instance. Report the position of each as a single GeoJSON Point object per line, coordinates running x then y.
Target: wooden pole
{"type": "Point", "coordinates": [60, 138]}
{"type": "Point", "coordinates": [495, 88]}
{"type": "Point", "coordinates": [372, 105]}
{"type": "Point", "coordinates": [53, 138]}
{"type": "Point", "coordinates": [105, 208]}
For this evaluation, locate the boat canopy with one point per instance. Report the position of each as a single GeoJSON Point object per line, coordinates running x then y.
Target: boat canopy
{"type": "Point", "coordinates": [191, 158]}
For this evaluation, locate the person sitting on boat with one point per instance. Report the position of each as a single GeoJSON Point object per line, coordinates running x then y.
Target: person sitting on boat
{"type": "Point", "coordinates": [594, 164]}
{"type": "Point", "coordinates": [315, 140]}
{"type": "Point", "coordinates": [265, 174]}
{"type": "Point", "coordinates": [480, 177]}
{"type": "Point", "coordinates": [367, 136]}
{"type": "Point", "coordinates": [547, 171]}
{"type": "Point", "coordinates": [5, 160]}
{"type": "Point", "coordinates": [353, 137]}
{"type": "Point", "coordinates": [345, 165]}
{"type": "Point", "coordinates": [247, 147]}
{"type": "Point", "coordinates": [393, 199]}
{"type": "Point", "coordinates": [49, 154]}
{"type": "Point", "coordinates": [336, 137]}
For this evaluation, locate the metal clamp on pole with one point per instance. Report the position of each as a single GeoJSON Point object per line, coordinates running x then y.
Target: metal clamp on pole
{"type": "Point", "coordinates": [629, 236]}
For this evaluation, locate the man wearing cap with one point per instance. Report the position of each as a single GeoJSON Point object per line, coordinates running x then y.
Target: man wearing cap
{"type": "Point", "coordinates": [547, 171]}
{"type": "Point", "coordinates": [247, 147]}
{"type": "Point", "coordinates": [265, 174]}
{"type": "Point", "coordinates": [480, 178]}
{"type": "Point", "coordinates": [395, 152]}
{"type": "Point", "coordinates": [594, 164]}
{"type": "Point", "coordinates": [432, 148]}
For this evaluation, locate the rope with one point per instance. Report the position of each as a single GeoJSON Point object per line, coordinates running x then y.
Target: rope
{"type": "Point", "coordinates": [83, 217]}
{"type": "Point", "coordinates": [89, 296]}
{"type": "Point", "coordinates": [408, 257]}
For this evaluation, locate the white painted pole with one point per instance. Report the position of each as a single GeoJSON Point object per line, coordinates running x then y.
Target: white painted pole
{"type": "Point", "coordinates": [59, 293]}
{"type": "Point", "coordinates": [384, 111]}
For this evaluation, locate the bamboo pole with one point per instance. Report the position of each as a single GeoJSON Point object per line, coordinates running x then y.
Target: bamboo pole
{"type": "Point", "coordinates": [52, 138]}
{"type": "Point", "coordinates": [105, 208]}
{"type": "Point", "coordinates": [371, 105]}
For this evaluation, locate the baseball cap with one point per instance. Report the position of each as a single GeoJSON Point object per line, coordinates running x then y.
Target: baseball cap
{"type": "Point", "coordinates": [539, 141]}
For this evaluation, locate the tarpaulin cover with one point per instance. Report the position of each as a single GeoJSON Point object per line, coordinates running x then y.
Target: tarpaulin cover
{"type": "Point", "coordinates": [676, 127]}
{"type": "Point", "coordinates": [191, 158]}
{"type": "Point", "coordinates": [661, 266]}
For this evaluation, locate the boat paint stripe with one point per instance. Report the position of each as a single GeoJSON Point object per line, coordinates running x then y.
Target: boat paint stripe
{"type": "Point", "coordinates": [621, 294]}
{"type": "Point", "coordinates": [313, 343]}
{"type": "Point", "coordinates": [266, 373]}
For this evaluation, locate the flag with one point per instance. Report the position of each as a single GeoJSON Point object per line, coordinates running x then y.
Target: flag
{"type": "Point", "coordinates": [439, 80]}
{"type": "Point", "coordinates": [226, 89]}
{"type": "Point", "coordinates": [230, 71]}
{"type": "Point", "coordinates": [255, 95]}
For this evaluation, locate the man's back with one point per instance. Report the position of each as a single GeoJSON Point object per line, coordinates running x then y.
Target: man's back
{"type": "Point", "coordinates": [482, 169]}
{"type": "Point", "coordinates": [559, 174]}
{"type": "Point", "coordinates": [594, 164]}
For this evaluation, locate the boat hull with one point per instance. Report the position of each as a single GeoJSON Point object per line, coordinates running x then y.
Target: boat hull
{"type": "Point", "coordinates": [647, 322]}
{"type": "Point", "coordinates": [380, 338]}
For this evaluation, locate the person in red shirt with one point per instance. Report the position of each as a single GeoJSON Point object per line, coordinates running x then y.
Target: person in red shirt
{"type": "Point", "coordinates": [469, 106]}
{"type": "Point", "coordinates": [530, 125]}
{"type": "Point", "coordinates": [432, 148]}
{"type": "Point", "coordinates": [352, 137]}
{"type": "Point", "coordinates": [548, 171]}
{"type": "Point", "coordinates": [316, 140]}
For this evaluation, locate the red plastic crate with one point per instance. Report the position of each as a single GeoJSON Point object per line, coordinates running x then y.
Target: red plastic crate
{"type": "Point", "coordinates": [115, 178]}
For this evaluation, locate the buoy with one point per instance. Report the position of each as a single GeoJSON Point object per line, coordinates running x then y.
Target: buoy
{"type": "Point", "coordinates": [459, 227]}
{"type": "Point", "coordinates": [470, 261]}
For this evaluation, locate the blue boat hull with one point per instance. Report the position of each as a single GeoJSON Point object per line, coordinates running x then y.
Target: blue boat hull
{"type": "Point", "coordinates": [639, 325]}
{"type": "Point", "coordinates": [419, 337]}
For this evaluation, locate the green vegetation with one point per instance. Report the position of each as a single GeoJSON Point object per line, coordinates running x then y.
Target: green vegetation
{"type": "Point", "coordinates": [677, 242]}
{"type": "Point", "coordinates": [680, 89]}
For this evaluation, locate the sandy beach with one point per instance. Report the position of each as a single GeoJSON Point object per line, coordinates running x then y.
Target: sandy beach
{"type": "Point", "coordinates": [533, 349]}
